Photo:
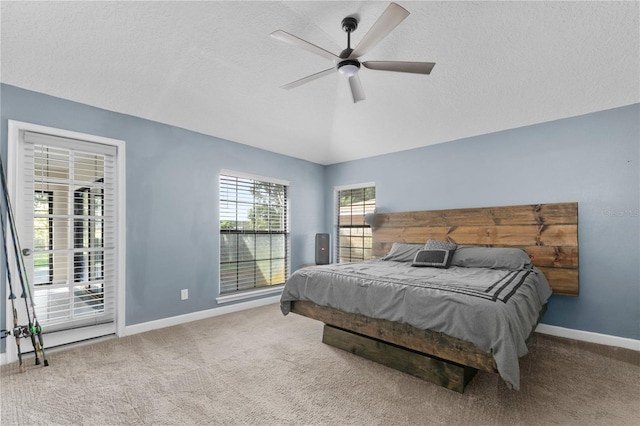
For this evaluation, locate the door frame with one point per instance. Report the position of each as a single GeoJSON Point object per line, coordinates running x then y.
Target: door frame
{"type": "Point", "coordinates": [13, 174]}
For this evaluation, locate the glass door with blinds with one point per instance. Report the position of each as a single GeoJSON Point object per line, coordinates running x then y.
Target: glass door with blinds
{"type": "Point", "coordinates": [68, 211]}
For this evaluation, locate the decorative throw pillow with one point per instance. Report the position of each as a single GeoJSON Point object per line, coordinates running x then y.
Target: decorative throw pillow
{"type": "Point", "coordinates": [437, 258]}
{"type": "Point", "coordinates": [436, 253]}
{"type": "Point", "coordinates": [440, 245]}
{"type": "Point", "coordinates": [402, 252]}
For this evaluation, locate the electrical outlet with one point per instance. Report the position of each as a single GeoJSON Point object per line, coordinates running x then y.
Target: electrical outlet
{"type": "Point", "coordinates": [184, 294]}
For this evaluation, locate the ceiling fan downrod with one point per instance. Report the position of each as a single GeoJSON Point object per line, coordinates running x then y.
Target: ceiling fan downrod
{"type": "Point", "coordinates": [348, 67]}
{"type": "Point", "coordinates": [349, 24]}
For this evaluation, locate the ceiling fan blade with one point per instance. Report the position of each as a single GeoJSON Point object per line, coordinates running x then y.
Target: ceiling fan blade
{"type": "Point", "coordinates": [411, 67]}
{"type": "Point", "coordinates": [356, 88]}
{"type": "Point", "coordinates": [309, 78]}
{"type": "Point", "coordinates": [390, 18]}
{"type": "Point", "coordinates": [296, 41]}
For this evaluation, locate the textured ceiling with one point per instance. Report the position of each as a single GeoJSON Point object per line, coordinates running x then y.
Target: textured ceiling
{"type": "Point", "coordinates": [211, 67]}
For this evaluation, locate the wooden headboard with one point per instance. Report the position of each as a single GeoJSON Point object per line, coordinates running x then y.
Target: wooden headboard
{"type": "Point", "coordinates": [547, 232]}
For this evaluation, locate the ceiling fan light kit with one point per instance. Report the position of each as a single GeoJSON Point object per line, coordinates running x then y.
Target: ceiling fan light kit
{"type": "Point", "coordinates": [347, 62]}
{"type": "Point", "coordinates": [348, 67]}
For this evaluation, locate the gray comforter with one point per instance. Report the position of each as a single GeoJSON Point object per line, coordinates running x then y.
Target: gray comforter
{"type": "Point", "coordinates": [494, 309]}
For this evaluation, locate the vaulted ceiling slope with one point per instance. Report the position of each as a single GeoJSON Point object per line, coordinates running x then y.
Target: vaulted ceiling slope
{"type": "Point", "coordinates": [212, 67]}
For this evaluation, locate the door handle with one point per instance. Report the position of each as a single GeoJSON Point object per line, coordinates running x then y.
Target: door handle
{"type": "Point", "coordinates": [26, 252]}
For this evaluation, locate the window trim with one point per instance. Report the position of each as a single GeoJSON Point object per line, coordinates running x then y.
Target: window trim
{"type": "Point", "coordinates": [251, 176]}
{"type": "Point", "coordinates": [352, 186]}
{"type": "Point", "coordinates": [242, 295]}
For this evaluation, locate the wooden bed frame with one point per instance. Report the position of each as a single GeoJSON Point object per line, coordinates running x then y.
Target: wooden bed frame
{"type": "Point", "coordinates": [547, 232]}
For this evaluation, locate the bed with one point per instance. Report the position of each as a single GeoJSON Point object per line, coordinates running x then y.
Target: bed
{"type": "Point", "coordinates": [445, 324]}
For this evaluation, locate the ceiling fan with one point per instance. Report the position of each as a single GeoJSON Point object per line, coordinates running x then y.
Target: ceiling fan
{"type": "Point", "coordinates": [347, 62]}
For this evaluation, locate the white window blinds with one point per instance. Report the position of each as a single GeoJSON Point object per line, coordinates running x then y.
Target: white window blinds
{"type": "Point", "coordinates": [254, 237]}
{"type": "Point", "coordinates": [354, 235]}
{"type": "Point", "coordinates": [68, 200]}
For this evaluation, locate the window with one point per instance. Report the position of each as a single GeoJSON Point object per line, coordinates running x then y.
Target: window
{"type": "Point", "coordinates": [254, 238]}
{"type": "Point", "coordinates": [354, 235]}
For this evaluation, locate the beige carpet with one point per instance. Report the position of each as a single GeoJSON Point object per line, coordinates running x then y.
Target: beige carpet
{"type": "Point", "coordinates": [260, 368]}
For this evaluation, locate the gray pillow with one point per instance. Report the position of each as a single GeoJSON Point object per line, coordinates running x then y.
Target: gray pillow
{"type": "Point", "coordinates": [402, 252]}
{"type": "Point", "coordinates": [490, 257]}
{"type": "Point", "coordinates": [440, 245]}
{"type": "Point", "coordinates": [436, 258]}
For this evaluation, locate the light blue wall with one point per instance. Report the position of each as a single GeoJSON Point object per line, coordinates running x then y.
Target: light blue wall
{"type": "Point", "coordinates": [172, 177]}
{"type": "Point", "coordinates": [592, 159]}
{"type": "Point", "coordinates": [172, 200]}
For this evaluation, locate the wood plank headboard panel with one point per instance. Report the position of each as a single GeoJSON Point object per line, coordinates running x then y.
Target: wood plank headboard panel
{"type": "Point", "coordinates": [547, 232]}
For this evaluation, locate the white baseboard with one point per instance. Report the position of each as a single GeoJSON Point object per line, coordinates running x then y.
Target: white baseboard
{"type": "Point", "coordinates": [587, 336]}
{"type": "Point", "coordinates": [195, 316]}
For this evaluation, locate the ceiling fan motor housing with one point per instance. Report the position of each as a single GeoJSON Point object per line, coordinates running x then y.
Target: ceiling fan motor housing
{"type": "Point", "coordinates": [348, 67]}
